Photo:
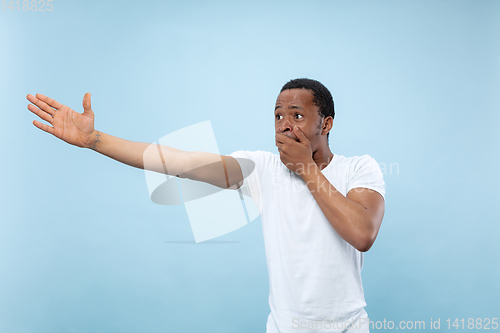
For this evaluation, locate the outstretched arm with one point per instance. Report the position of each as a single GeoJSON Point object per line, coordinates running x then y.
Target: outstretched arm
{"type": "Point", "coordinates": [78, 129]}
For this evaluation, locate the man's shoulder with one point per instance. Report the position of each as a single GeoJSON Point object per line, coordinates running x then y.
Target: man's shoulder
{"type": "Point", "coordinates": [364, 172]}
{"type": "Point", "coordinates": [354, 165]}
{"type": "Point", "coordinates": [264, 162]}
{"type": "Point", "coordinates": [355, 161]}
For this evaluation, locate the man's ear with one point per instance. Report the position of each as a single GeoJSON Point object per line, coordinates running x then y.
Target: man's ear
{"type": "Point", "coordinates": [327, 125]}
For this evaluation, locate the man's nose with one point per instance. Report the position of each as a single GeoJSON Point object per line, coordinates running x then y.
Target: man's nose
{"type": "Point", "coordinates": [286, 126]}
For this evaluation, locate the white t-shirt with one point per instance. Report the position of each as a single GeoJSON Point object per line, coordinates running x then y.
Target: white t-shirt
{"type": "Point", "coordinates": [314, 274]}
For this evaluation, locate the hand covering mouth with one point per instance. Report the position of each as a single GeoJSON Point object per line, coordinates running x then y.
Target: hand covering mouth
{"type": "Point", "coordinates": [291, 135]}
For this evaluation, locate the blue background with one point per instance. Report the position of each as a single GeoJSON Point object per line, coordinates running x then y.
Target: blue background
{"type": "Point", "coordinates": [82, 247]}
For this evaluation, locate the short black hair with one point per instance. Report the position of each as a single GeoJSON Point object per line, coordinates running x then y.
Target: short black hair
{"type": "Point", "coordinates": [322, 96]}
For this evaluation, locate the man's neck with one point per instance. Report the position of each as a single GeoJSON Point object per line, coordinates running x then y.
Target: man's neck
{"type": "Point", "coordinates": [322, 156]}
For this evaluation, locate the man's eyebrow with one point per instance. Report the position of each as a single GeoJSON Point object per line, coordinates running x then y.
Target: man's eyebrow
{"type": "Point", "coordinates": [276, 107]}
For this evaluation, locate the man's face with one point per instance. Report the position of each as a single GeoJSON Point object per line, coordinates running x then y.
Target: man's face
{"type": "Point", "coordinates": [296, 107]}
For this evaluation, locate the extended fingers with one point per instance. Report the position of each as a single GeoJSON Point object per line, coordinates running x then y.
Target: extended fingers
{"type": "Point", "coordinates": [52, 102]}
{"type": "Point", "coordinates": [44, 115]}
{"type": "Point", "coordinates": [43, 127]}
{"type": "Point", "coordinates": [42, 105]}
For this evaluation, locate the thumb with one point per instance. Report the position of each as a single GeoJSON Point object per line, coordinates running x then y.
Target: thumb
{"type": "Point", "coordinates": [86, 105]}
{"type": "Point", "coordinates": [300, 135]}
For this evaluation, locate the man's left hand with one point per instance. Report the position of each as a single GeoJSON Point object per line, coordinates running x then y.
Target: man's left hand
{"type": "Point", "coordinates": [297, 156]}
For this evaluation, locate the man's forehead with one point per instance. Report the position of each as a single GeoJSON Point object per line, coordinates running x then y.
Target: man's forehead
{"type": "Point", "coordinates": [298, 96]}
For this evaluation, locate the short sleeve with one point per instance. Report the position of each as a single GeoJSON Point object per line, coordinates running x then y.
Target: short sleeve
{"type": "Point", "coordinates": [365, 173]}
{"type": "Point", "coordinates": [251, 164]}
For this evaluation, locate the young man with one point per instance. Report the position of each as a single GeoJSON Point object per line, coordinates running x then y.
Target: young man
{"type": "Point", "coordinates": [319, 211]}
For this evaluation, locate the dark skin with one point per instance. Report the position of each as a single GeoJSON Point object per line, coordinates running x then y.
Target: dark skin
{"type": "Point", "coordinates": [301, 138]}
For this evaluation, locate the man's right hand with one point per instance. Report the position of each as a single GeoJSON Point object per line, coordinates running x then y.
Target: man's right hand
{"type": "Point", "coordinates": [68, 125]}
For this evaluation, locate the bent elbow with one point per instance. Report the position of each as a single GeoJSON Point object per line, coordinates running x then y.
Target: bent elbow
{"type": "Point", "coordinates": [365, 243]}
{"type": "Point", "coordinates": [364, 247]}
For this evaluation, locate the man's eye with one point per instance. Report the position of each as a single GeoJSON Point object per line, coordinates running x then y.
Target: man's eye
{"type": "Point", "coordinates": [298, 115]}
{"type": "Point", "coordinates": [278, 116]}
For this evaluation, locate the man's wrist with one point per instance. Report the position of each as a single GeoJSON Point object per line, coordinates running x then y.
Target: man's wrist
{"type": "Point", "coordinates": [93, 140]}
{"type": "Point", "coordinates": [307, 170]}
